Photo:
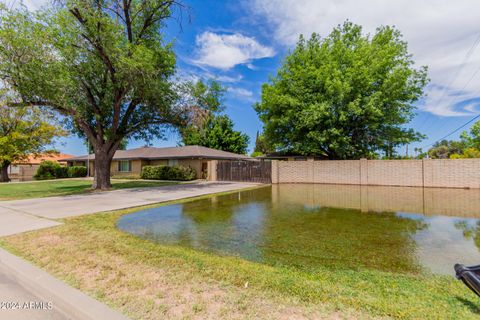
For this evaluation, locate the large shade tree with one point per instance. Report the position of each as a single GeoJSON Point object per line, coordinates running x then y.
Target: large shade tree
{"type": "Point", "coordinates": [208, 127]}
{"type": "Point", "coordinates": [346, 96]}
{"type": "Point", "coordinates": [24, 132]}
{"type": "Point", "coordinates": [102, 64]}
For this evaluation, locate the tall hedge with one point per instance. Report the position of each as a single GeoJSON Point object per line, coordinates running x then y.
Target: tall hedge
{"type": "Point", "coordinates": [168, 173]}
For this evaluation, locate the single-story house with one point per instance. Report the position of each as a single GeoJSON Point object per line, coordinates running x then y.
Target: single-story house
{"type": "Point", "coordinates": [25, 170]}
{"type": "Point", "coordinates": [131, 162]}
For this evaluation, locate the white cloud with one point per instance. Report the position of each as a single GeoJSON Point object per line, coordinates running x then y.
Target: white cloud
{"type": "Point", "coordinates": [35, 4]}
{"type": "Point", "coordinates": [241, 93]}
{"type": "Point", "coordinates": [439, 34]}
{"type": "Point", "coordinates": [225, 51]}
{"type": "Point", "coordinates": [30, 4]}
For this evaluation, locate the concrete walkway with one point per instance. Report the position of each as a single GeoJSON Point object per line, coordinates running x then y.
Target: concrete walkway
{"type": "Point", "coordinates": [23, 284]}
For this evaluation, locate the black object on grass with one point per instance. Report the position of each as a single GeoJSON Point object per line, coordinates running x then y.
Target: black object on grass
{"type": "Point", "coordinates": [470, 276]}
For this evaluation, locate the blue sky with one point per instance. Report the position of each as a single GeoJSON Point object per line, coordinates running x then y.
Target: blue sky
{"type": "Point", "coordinates": [241, 43]}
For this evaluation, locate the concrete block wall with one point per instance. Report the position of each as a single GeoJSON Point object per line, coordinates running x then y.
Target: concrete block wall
{"type": "Point", "coordinates": [454, 173]}
{"type": "Point", "coordinates": [337, 172]}
{"type": "Point", "coordinates": [294, 171]}
{"type": "Point", "coordinates": [449, 173]}
{"type": "Point", "coordinates": [394, 173]}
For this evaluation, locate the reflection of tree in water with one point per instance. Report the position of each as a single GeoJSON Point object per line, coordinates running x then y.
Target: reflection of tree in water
{"type": "Point", "coordinates": [219, 223]}
{"type": "Point", "coordinates": [344, 238]}
{"type": "Point", "coordinates": [470, 232]}
{"type": "Point", "coordinates": [221, 209]}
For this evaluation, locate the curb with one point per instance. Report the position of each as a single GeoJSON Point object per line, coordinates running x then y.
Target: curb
{"type": "Point", "coordinates": [67, 300]}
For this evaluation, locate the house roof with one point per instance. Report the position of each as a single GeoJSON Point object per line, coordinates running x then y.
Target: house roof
{"type": "Point", "coordinates": [152, 153]}
{"type": "Point", "coordinates": [37, 159]}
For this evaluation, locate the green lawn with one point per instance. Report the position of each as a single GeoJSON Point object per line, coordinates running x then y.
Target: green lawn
{"type": "Point", "coordinates": [150, 281]}
{"type": "Point", "coordinates": [40, 189]}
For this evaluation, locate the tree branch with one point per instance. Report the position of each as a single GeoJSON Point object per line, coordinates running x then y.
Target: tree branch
{"type": "Point", "coordinates": [99, 48]}
{"type": "Point", "coordinates": [128, 21]}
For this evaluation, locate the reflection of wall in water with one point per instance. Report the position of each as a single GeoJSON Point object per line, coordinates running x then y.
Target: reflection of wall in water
{"type": "Point", "coordinates": [428, 201]}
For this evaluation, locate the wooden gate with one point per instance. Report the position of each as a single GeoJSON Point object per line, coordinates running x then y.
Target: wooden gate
{"type": "Point", "coordinates": [245, 170]}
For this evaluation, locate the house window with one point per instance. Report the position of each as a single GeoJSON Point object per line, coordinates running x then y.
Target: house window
{"type": "Point", "coordinates": [124, 166]}
{"type": "Point", "coordinates": [172, 162]}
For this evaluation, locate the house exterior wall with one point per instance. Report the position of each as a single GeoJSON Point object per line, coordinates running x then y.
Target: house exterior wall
{"type": "Point", "coordinates": [25, 172]}
{"type": "Point", "coordinates": [449, 173]}
{"type": "Point", "coordinates": [137, 166]}
{"type": "Point", "coordinates": [193, 163]}
{"type": "Point", "coordinates": [157, 163]}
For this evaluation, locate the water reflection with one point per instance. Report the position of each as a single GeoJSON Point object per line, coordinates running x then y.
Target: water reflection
{"type": "Point", "coordinates": [307, 226]}
{"type": "Point", "coordinates": [426, 201]}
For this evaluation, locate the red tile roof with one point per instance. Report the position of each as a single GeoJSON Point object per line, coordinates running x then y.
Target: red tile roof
{"type": "Point", "coordinates": [36, 159]}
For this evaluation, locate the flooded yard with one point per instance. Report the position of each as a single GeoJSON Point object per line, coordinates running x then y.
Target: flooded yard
{"type": "Point", "coordinates": [305, 226]}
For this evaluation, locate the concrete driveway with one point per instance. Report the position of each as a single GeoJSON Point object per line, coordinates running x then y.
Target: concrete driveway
{"type": "Point", "coordinates": [23, 284]}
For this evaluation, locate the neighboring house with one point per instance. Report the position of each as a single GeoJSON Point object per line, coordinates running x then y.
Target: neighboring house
{"type": "Point", "coordinates": [25, 170]}
{"type": "Point", "coordinates": [130, 162]}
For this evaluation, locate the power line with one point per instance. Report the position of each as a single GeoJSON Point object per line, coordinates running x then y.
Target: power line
{"type": "Point", "coordinates": [467, 56]}
{"type": "Point", "coordinates": [454, 131]}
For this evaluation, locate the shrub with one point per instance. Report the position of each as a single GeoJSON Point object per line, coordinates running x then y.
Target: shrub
{"type": "Point", "coordinates": [47, 170]}
{"type": "Point", "coordinates": [53, 170]}
{"type": "Point", "coordinates": [77, 172]}
{"type": "Point", "coordinates": [168, 173]}
{"type": "Point", "coordinates": [61, 172]}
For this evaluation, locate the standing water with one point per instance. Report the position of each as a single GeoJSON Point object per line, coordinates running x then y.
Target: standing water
{"type": "Point", "coordinates": [309, 226]}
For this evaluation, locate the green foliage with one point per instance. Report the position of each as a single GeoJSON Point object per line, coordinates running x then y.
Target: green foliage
{"type": "Point", "coordinates": [179, 173]}
{"type": "Point", "coordinates": [467, 147]}
{"type": "Point", "coordinates": [261, 146]}
{"type": "Point", "coordinates": [76, 172]}
{"type": "Point", "coordinates": [256, 154]}
{"type": "Point", "coordinates": [467, 153]}
{"type": "Point", "coordinates": [62, 172]}
{"type": "Point", "coordinates": [24, 131]}
{"type": "Point", "coordinates": [346, 96]}
{"type": "Point", "coordinates": [208, 127]}
{"type": "Point", "coordinates": [48, 170]}
{"type": "Point", "coordinates": [53, 170]}
{"type": "Point", "coordinates": [217, 133]}
{"type": "Point", "coordinates": [103, 65]}
{"type": "Point", "coordinates": [445, 149]}
{"type": "Point", "coordinates": [121, 146]}
{"type": "Point", "coordinates": [472, 139]}
{"type": "Point", "coordinates": [202, 98]}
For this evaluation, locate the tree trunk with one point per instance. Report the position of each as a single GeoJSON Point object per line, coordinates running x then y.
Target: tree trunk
{"type": "Point", "coordinates": [101, 180]}
{"type": "Point", "coordinates": [4, 172]}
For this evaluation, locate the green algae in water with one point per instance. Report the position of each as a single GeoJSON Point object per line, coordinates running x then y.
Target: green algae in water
{"type": "Point", "coordinates": [314, 226]}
